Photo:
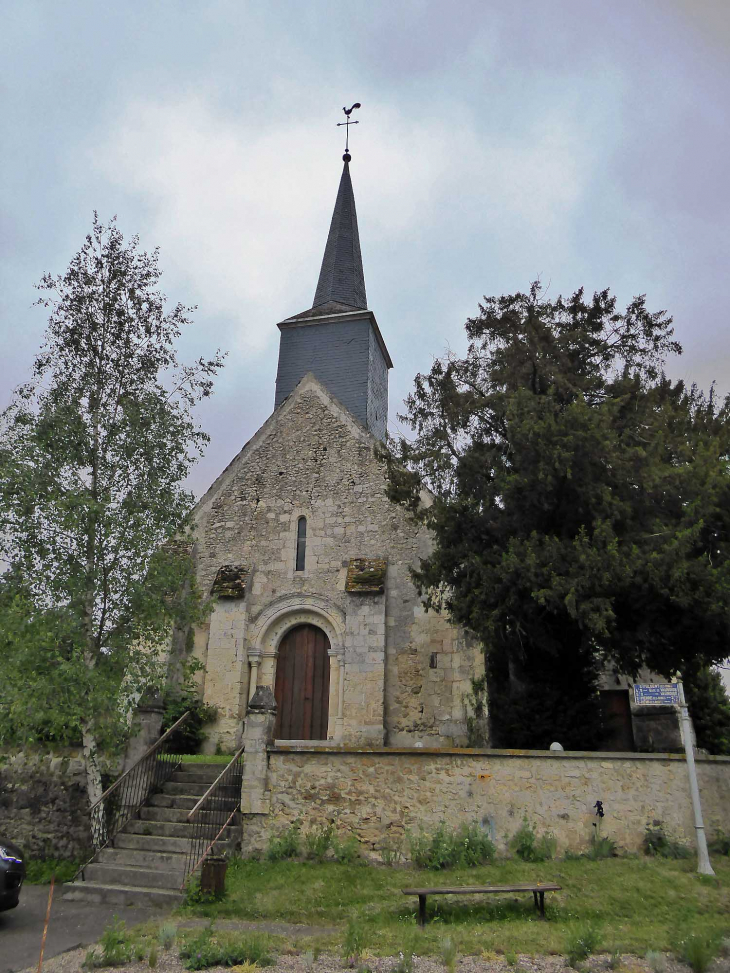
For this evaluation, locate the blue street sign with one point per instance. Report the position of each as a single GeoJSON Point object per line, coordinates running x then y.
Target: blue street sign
{"type": "Point", "coordinates": [667, 695]}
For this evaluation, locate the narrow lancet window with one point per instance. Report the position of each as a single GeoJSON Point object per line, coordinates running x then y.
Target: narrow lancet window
{"type": "Point", "coordinates": [301, 542]}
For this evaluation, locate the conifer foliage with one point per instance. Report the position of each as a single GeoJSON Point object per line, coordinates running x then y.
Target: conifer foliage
{"type": "Point", "coordinates": [581, 510]}
{"type": "Point", "coordinates": [94, 450]}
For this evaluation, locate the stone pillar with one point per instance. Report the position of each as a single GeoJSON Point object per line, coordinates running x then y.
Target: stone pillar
{"type": "Point", "coordinates": [340, 722]}
{"type": "Point", "coordinates": [258, 733]}
{"type": "Point", "coordinates": [146, 726]}
{"type": "Point", "coordinates": [254, 677]}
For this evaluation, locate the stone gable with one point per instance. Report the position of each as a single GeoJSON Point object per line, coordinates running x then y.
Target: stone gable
{"type": "Point", "coordinates": [398, 674]}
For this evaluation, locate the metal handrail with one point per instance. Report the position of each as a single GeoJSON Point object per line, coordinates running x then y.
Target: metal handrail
{"type": "Point", "coordinates": [120, 802]}
{"type": "Point", "coordinates": [144, 756]}
{"type": "Point", "coordinates": [213, 785]}
{"type": "Point", "coordinates": [209, 823]}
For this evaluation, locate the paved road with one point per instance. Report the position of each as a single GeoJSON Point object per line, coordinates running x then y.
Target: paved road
{"type": "Point", "coordinates": [72, 924]}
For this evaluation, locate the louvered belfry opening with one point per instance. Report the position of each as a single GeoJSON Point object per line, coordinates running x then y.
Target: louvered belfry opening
{"type": "Point", "coordinates": [302, 685]}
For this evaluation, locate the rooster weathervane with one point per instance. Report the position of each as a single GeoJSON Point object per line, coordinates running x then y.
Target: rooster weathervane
{"type": "Point", "coordinates": [347, 122]}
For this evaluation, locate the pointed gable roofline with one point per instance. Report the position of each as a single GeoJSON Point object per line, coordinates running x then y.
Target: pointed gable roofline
{"type": "Point", "coordinates": [341, 278]}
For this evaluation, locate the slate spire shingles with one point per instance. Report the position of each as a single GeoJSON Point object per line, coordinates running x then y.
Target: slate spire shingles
{"type": "Point", "coordinates": [341, 278]}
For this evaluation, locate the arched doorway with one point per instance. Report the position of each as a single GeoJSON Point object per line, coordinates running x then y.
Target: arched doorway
{"type": "Point", "coordinates": [302, 688]}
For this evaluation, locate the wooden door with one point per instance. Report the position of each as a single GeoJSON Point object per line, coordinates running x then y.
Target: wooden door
{"type": "Point", "coordinates": [302, 688]}
{"type": "Point", "coordinates": [618, 733]}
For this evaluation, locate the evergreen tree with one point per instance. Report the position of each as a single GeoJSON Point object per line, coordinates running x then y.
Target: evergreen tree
{"type": "Point", "coordinates": [581, 505]}
{"type": "Point", "coordinates": [93, 454]}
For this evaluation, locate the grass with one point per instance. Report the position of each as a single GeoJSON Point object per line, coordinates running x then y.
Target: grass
{"type": "Point", "coordinates": [205, 758]}
{"type": "Point", "coordinates": [639, 904]}
{"type": "Point", "coordinates": [40, 872]}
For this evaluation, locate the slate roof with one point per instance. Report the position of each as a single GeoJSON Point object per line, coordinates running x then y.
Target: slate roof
{"type": "Point", "coordinates": [341, 279]}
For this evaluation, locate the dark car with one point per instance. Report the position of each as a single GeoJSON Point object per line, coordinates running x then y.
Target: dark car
{"type": "Point", "coordinates": [12, 873]}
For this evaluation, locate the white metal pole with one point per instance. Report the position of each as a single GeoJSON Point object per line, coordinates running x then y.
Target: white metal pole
{"type": "Point", "coordinates": [703, 859]}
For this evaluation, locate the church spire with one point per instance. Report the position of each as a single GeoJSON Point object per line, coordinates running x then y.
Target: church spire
{"type": "Point", "coordinates": [341, 278]}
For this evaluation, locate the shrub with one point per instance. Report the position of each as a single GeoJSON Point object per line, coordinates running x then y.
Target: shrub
{"type": "Point", "coordinates": [658, 843]}
{"type": "Point", "coordinates": [698, 952]}
{"type": "Point", "coordinates": [205, 949]}
{"type": "Point", "coordinates": [581, 944]}
{"type": "Point", "coordinates": [190, 735]}
{"type": "Point", "coordinates": [720, 844]}
{"type": "Point", "coordinates": [468, 846]}
{"type": "Point", "coordinates": [286, 845]}
{"type": "Point", "coordinates": [510, 958]}
{"type": "Point", "coordinates": [152, 958]}
{"type": "Point", "coordinates": [354, 943]}
{"type": "Point", "coordinates": [530, 847]}
{"type": "Point", "coordinates": [319, 841]}
{"type": "Point", "coordinates": [346, 852]}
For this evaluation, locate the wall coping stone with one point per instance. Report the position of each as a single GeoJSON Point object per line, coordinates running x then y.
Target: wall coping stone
{"type": "Point", "coordinates": [324, 748]}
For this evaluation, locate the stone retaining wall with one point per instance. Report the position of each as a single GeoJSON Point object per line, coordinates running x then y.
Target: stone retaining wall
{"type": "Point", "coordinates": [43, 803]}
{"type": "Point", "coordinates": [379, 794]}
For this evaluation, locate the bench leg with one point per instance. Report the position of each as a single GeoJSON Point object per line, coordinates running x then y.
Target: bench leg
{"type": "Point", "coordinates": [542, 905]}
{"type": "Point", "coordinates": [421, 910]}
{"type": "Point", "coordinates": [534, 895]}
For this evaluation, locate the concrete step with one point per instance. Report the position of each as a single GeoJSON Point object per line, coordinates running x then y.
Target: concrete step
{"type": "Point", "coordinates": [160, 843]}
{"type": "Point", "coordinates": [152, 843]}
{"type": "Point", "coordinates": [174, 800]}
{"type": "Point", "coordinates": [166, 829]}
{"type": "Point", "coordinates": [200, 773]}
{"type": "Point", "coordinates": [132, 875]}
{"type": "Point", "coordinates": [178, 814]}
{"type": "Point", "coordinates": [192, 787]}
{"type": "Point", "coordinates": [162, 829]}
{"type": "Point", "coordinates": [122, 894]}
{"type": "Point", "coordinates": [144, 858]}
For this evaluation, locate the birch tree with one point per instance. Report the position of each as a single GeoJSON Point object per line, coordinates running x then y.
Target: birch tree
{"type": "Point", "coordinates": [94, 451]}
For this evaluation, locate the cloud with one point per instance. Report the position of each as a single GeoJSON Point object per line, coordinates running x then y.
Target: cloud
{"type": "Point", "coordinates": [241, 209]}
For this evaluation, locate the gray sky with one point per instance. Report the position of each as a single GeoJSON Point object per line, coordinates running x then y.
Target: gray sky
{"type": "Point", "coordinates": [583, 142]}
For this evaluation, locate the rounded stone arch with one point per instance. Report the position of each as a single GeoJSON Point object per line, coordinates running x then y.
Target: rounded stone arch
{"type": "Point", "coordinates": [281, 616]}
{"type": "Point", "coordinates": [274, 621]}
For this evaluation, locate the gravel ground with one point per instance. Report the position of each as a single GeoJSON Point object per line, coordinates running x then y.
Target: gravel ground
{"type": "Point", "coordinates": [168, 962]}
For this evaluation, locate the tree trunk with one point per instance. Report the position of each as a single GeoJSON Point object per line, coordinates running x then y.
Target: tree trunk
{"type": "Point", "coordinates": [91, 759]}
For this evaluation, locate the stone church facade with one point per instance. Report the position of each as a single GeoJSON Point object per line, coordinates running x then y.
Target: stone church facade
{"type": "Point", "coordinates": [308, 560]}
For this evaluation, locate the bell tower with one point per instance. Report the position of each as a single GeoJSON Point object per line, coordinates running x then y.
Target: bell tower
{"type": "Point", "coordinates": [338, 338]}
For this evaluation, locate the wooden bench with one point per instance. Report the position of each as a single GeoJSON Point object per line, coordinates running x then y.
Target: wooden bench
{"type": "Point", "coordinates": [538, 890]}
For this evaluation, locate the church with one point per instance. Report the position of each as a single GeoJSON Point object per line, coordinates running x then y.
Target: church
{"type": "Point", "coordinates": [307, 559]}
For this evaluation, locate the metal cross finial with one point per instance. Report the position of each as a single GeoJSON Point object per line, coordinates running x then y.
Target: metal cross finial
{"type": "Point", "coordinates": [347, 122]}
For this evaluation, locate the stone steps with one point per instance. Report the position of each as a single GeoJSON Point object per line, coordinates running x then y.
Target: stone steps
{"type": "Point", "coordinates": [146, 861]}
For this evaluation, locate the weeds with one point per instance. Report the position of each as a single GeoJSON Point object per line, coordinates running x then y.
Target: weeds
{"type": "Point", "coordinates": [601, 847]}
{"type": "Point", "coordinates": [656, 960]}
{"type": "Point", "coordinates": [698, 952]}
{"type": "Point", "coordinates": [530, 847]}
{"type": "Point", "coordinates": [467, 846]}
{"type": "Point", "coordinates": [286, 845]}
{"type": "Point", "coordinates": [167, 935]}
{"type": "Point", "coordinates": [510, 958]}
{"type": "Point", "coordinates": [319, 841]}
{"type": "Point", "coordinates": [40, 872]}
{"type": "Point", "coordinates": [203, 950]}
{"type": "Point", "coordinates": [391, 852]}
{"type": "Point", "coordinates": [353, 944]}
{"type": "Point", "coordinates": [405, 962]}
{"type": "Point", "coordinates": [449, 954]}
{"type": "Point", "coordinates": [582, 944]}
{"type": "Point", "coordinates": [194, 895]}
{"type": "Point", "coordinates": [152, 958]}
{"type": "Point", "coordinates": [346, 852]}
{"type": "Point", "coordinates": [116, 947]}
{"type": "Point", "coordinates": [658, 843]}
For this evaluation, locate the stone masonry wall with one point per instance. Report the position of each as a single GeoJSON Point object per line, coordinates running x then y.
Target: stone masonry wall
{"type": "Point", "coordinates": [43, 804]}
{"type": "Point", "coordinates": [406, 671]}
{"type": "Point", "coordinates": [379, 795]}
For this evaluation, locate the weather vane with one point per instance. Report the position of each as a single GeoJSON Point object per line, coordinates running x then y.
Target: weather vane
{"type": "Point", "coordinates": [347, 122]}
